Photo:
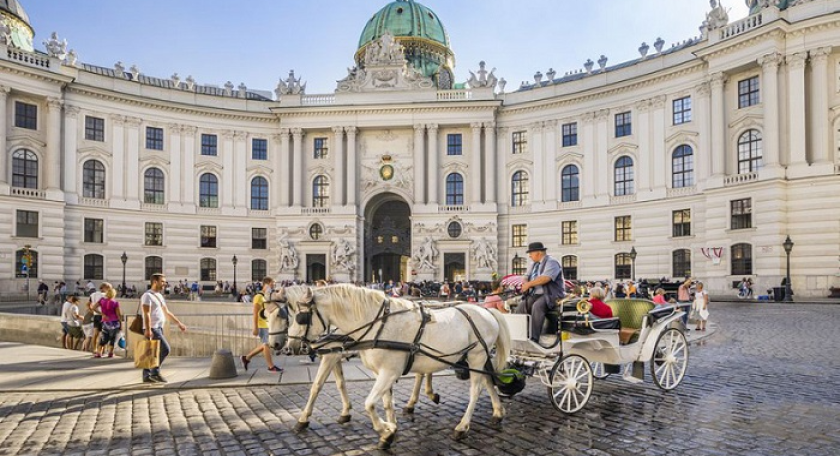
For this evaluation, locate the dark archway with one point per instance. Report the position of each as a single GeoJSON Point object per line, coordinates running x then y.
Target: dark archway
{"type": "Point", "coordinates": [387, 239]}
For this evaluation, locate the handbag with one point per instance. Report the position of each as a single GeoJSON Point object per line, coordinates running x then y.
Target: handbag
{"type": "Point", "coordinates": [136, 325]}
{"type": "Point", "coordinates": [147, 354]}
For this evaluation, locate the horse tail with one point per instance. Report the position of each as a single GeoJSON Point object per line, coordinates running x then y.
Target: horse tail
{"type": "Point", "coordinates": [502, 342]}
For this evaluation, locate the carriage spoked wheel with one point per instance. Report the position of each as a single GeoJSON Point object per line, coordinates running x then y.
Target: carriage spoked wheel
{"type": "Point", "coordinates": [670, 359]}
{"type": "Point", "coordinates": [571, 382]}
{"type": "Point", "coordinates": [598, 370]}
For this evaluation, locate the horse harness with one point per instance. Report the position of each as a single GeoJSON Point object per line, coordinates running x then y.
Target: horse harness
{"type": "Point", "coordinates": [346, 342]}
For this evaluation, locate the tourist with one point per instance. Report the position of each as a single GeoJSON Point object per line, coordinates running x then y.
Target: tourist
{"type": "Point", "coordinates": [599, 308]}
{"type": "Point", "coordinates": [111, 321]}
{"type": "Point", "coordinates": [94, 299]}
{"type": "Point", "coordinates": [155, 313]}
{"type": "Point", "coordinates": [701, 307]}
{"type": "Point", "coordinates": [659, 297]}
{"type": "Point", "coordinates": [494, 300]}
{"type": "Point", "coordinates": [261, 327]}
{"type": "Point", "coordinates": [43, 290]}
{"type": "Point", "coordinates": [546, 281]}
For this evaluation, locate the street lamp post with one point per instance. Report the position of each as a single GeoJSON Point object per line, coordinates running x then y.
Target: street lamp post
{"type": "Point", "coordinates": [633, 262]}
{"type": "Point", "coordinates": [234, 260]}
{"type": "Point", "coordinates": [788, 245]}
{"type": "Point", "coordinates": [124, 259]}
{"type": "Point", "coordinates": [27, 256]}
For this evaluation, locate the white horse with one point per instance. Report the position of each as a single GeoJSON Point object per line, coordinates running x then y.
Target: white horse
{"type": "Point", "coordinates": [466, 332]}
{"type": "Point", "coordinates": [278, 324]}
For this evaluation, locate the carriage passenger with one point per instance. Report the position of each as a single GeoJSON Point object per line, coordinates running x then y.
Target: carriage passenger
{"type": "Point", "coordinates": [659, 297]}
{"type": "Point", "coordinates": [599, 308]}
{"type": "Point", "coordinates": [494, 300]}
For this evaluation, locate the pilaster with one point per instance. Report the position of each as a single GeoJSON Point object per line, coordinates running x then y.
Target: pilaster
{"type": "Point", "coordinates": [434, 168]}
{"type": "Point", "coordinates": [475, 165]}
{"type": "Point", "coordinates": [242, 186]}
{"type": "Point", "coordinates": [419, 164]}
{"type": "Point", "coordinates": [717, 119]}
{"type": "Point", "coordinates": [770, 98]}
{"type": "Point", "coordinates": [338, 178]}
{"type": "Point", "coordinates": [228, 170]}
{"type": "Point", "coordinates": [535, 133]}
{"type": "Point", "coordinates": [68, 162]}
{"type": "Point", "coordinates": [298, 179]}
{"type": "Point", "coordinates": [189, 187]}
{"type": "Point", "coordinates": [352, 167]}
{"type": "Point", "coordinates": [820, 128]}
{"type": "Point", "coordinates": [118, 157]}
{"type": "Point", "coordinates": [490, 162]}
{"type": "Point", "coordinates": [174, 178]}
{"type": "Point", "coordinates": [5, 177]}
{"type": "Point", "coordinates": [131, 173]}
{"type": "Point", "coordinates": [53, 161]}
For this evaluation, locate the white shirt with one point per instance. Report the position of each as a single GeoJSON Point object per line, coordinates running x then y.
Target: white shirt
{"type": "Point", "coordinates": [68, 314]}
{"type": "Point", "coordinates": [156, 303]}
{"type": "Point", "coordinates": [94, 298]}
{"type": "Point", "coordinates": [64, 309]}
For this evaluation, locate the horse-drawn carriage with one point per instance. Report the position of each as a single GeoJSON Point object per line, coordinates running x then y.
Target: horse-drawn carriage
{"type": "Point", "coordinates": [584, 348]}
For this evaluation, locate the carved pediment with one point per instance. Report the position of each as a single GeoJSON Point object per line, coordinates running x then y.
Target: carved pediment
{"type": "Point", "coordinates": [623, 147]}
{"type": "Point", "coordinates": [208, 167]}
{"type": "Point", "coordinates": [259, 169]}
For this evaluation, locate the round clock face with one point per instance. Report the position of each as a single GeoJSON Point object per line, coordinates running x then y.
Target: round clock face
{"type": "Point", "coordinates": [386, 172]}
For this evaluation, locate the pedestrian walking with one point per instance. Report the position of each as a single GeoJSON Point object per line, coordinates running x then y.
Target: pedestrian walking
{"type": "Point", "coordinates": [701, 306]}
{"type": "Point", "coordinates": [111, 321]}
{"type": "Point", "coordinates": [94, 299]}
{"type": "Point", "coordinates": [155, 312]}
{"type": "Point", "coordinates": [261, 327]}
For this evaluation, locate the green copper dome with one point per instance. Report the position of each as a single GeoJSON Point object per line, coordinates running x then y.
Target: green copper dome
{"type": "Point", "coordinates": [755, 5]}
{"type": "Point", "coordinates": [421, 33]}
{"type": "Point", "coordinates": [18, 21]}
{"type": "Point", "coordinates": [405, 18]}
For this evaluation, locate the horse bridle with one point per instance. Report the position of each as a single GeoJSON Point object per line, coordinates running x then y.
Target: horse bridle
{"type": "Point", "coordinates": [282, 310]}
{"type": "Point", "coordinates": [304, 317]}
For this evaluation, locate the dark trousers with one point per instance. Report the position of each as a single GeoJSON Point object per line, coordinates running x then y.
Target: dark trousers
{"type": "Point", "coordinates": [157, 334]}
{"type": "Point", "coordinates": [537, 307]}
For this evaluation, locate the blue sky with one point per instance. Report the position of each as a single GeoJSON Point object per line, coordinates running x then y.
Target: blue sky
{"type": "Point", "coordinates": [257, 41]}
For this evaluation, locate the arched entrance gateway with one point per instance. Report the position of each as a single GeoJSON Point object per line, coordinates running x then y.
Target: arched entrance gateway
{"type": "Point", "coordinates": [387, 239]}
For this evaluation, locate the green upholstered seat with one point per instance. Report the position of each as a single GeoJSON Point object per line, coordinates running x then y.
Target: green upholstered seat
{"type": "Point", "coordinates": [631, 313]}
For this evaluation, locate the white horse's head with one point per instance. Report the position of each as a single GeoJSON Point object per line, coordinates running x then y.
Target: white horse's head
{"type": "Point", "coordinates": [277, 315]}
{"type": "Point", "coordinates": [306, 324]}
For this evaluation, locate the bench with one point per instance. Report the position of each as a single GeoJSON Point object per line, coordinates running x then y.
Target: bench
{"type": "Point", "coordinates": [631, 314]}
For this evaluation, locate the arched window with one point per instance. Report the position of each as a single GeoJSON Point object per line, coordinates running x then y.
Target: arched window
{"type": "Point", "coordinates": [153, 265]}
{"type": "Point", "coordinates": [153, 187]}
{"type": "Point", "coordinates": [24, 169]}
{"type": "Point", "coordinates": [519, 189]}
{"type": "Point", "coordinates": [623, 266]}
{"type": "Point", "coordinates": [624, 177]}
{"type": "Point", "coordinates": [321, 191]}
{"type": "Point", "coordinates": [571, 183]}
{"type": "Point", "coordinates": [749, 152]}
{"type": "Point", "coordinates": [682, 167]}
{"type": "Point", "coordinates": [454, 190]}
{"type": "Point", "coordinates": [259, 269]}
{"type": "Point", "coordinates": [93, 179]}
{"type": "Point", "coordinates": [518, 265]}
{"type": "Point", "coordinates": [682, 263]}
{"type": "Point", "coordinates": [570, 267]}
{"type": "Point", "coordinates": [94, 267]}
{"type": "Point", "coordinates": [741, 259]}
{"type": "Point", "coordinates": [208, 270]}
{"type": "Point", "coordinates": [208, 191]}
{"type": "Point", "coordinates": [259, 194]}
{"type": "Point", "coordinates": [31, 264]}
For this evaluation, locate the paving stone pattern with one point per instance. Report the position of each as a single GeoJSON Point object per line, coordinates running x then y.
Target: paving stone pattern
{"type": "Point", "coordinates": [766, 384]}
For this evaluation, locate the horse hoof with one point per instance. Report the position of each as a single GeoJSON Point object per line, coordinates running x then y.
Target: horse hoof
{"type": "Point", "coordinates": [385, 444]}
{"type": "Point", "coordinates": [495, 421]}
{"type": "Point", "coordinates": [344, 419]}
{"type": "Point", "coordinates": [436, 398]}
{"type": "Point", "coordinates": [301, 426]}
{"type": "Point", "coordinates": [408, 410]}
{"type": "Point", "coordinates": [459, 435]}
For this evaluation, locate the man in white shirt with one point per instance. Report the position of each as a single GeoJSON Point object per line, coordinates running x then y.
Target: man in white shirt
{"type": "Point", "coordinates": [155, 312]}
{"type": "Point", "coordinates": [71, 323]}
{"type": "Point", "coordinates": [97, 316]}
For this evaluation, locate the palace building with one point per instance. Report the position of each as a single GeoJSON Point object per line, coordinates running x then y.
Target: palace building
{"type": "Point", "coordinates": [699, 158]}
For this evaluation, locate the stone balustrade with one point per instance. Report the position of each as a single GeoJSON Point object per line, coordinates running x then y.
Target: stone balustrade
{"type": "Point", "coordinates": [28, 193]}
{"type": "Point", "coordinates": [94, 202]}
{"type": "Point", "coordinates": [569, 205]}
{"type": "Point", "coordinates": [149, 207]}
{"type": "Point", "coordinates": [739, 179]}
{"type": "Point", "coordinates": [454, 209]}
{"type": "Point", "coordinates": [682, 191]}
{"type": "Point", "coordinates": [624, 199]}
{"type": "Point", "coordinates": [317, 100]}
{"type": "Point", "coordinates": [28, 58]}
{"type": "Point", "coordinates": [316, 210]}
{"type": "Point", "coordinates": [454, 95]}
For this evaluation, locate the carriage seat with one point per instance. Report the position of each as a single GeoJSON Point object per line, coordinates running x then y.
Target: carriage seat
{"type": "Point", "coordinates": [631, 313]}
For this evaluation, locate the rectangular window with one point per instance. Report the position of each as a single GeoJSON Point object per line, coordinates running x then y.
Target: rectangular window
{"type": "Point", "coordinates": [208, 237]}
{"type": "Point", "coordinates": [570, 134]}
{"type": "Point", "coordinates": [259, 149]}
{"type": "Point", "coordinates": [27, 224]}
{"type": "Point", "coordinates": [570, 233]}
{"type": "Point", "coordinates": [154, 234]}
{"type": "Point", "coordinates": [209, 145]}
{"type": "Point", "coordinates": [623, 230]}
{"type": "Point", "coordinates": [520, 142]}
{"type": "Point", "coordinates": [748, 92]}
{"type": "Point", "coordinates": [454, 144]}
{"type": "Point", "coordinates": [26, 115]}
{"type": "Point", "coordinates": [623, 124]}
{"type": "Point", "coordinates": [682, 110]}
{"type": "Point", "coordinates": [519, 235]}
{"type": "Point", "coordinates": [154, 138]}
{"type": "Point", "coordinates": [741, 213]}
{"type": "Point", "coordinates": [94, 129]}
{"type": "Point", "coordinates": [682, 223]}
{"type": "Point", "coordinates": [259, 238]}
{"type": "Point", "coordinates": [94, 230]}
{"type": "Point", "coordinates": [322, 149]}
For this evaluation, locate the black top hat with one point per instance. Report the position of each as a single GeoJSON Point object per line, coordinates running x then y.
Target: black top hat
{"type": "Point", "coordinates": [534, 246]}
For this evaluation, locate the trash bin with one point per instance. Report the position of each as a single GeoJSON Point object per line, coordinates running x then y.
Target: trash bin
{"type": "Point", "coordinates": [778, 294]}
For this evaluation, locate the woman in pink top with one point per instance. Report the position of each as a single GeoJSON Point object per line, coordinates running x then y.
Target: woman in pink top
{"type": "Point", "coordinates": [111, 321]}
{"type": "Point", "coordinates": [659, 297]}
{"type": "Point", "coordinates": [494, 301]}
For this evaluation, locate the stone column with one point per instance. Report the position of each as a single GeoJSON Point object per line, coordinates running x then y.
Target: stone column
{"type": "Point", "coordinates": [53, 156]}
{"type": "Point", "coordinates": [475, 165]}
{"type": "Point", "coordinates": [490, 162]}
{"type": "Point", "coordinates": [419, 164]}
{"type": "Point", "coordinates": [228, 171]}
{"type": "Point", "coordinates": [189, 186]}
{"type": "Point", "coordinates": [5, 158]}
{"type": "Point", "coordinates": [604, 172]}
{"type": "Point", "coordinates": [661, 157]}
{"type": "Point", "coordinates": [175, 176]}
{"type": "Point", "coordinates": [68, 162]}
{"type": "Point", "coordinates": [118, 158]}
{"type": "Point", "coordinates": [550, 165]}
{"type": "Point", "coordinates": [298, 179]}
{"type": "Point", "coordinates": [702, 156]}
{"type": "Point", "coordinates": [242, 186]}
{"type": "Point", "coordinates": [644, 162]}
{"type": "Point", "coordinates": [797, 146]}
{"type": "Point", "coordinates": [352, 167]}
{"type": "Point", "coordinates": [590, 158]}
{"type": "Point", "coordinates": [821, 130]}
{"type": "Point", "coordinates": [717, 119]}
{"type": "Point", "coordinates": [434, 169]}
{"type": "Point", "coordinates": [338, 178]}
{"type": "Point", "coordinates": [501, 165]}
{"type": "Point", "coordinates": [132, 161]}
{"type": "Point", "coordinates": [284, 169]}
{"type": "Point", "coordinates": [770, 97]}
{"type": "Point", "coordinates": [536, 145]}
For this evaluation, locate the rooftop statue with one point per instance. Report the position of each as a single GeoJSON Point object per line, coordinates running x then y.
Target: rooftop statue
{"type": "Point", "coordinates": [484, 78]}
{"type": "Point", "coordinates": [291, 86]}
{"type": "Point", "coordinates": [718, 17]}
{"type": "Point", "coordinates": [55, 47]}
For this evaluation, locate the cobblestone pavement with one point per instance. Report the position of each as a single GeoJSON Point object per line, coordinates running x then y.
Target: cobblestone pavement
{"type": "Point", "coordinates": [766, 384]}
